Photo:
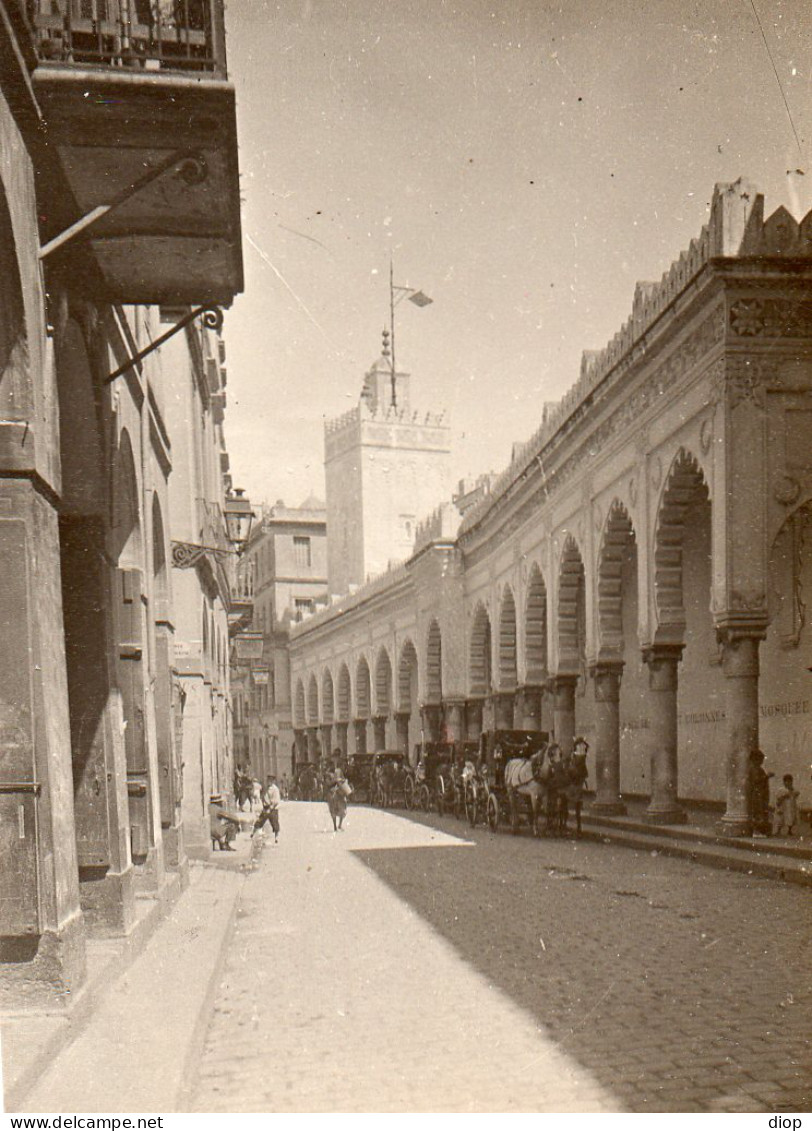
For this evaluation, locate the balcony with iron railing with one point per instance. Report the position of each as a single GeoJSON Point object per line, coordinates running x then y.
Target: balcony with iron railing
{"type": "Point", "coordinates": [152, 35]}
{"type": "Point", "coordinates": [141, 195]}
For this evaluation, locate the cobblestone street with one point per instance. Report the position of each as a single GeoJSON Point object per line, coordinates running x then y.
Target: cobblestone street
{"type": "Point", "coordinates": [405, 966]}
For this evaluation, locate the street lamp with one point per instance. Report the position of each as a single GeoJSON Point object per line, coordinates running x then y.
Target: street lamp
{"type": "Point", "coordinates": [239, 517]}
{"type": "Point", "coordinates": [397, 295]}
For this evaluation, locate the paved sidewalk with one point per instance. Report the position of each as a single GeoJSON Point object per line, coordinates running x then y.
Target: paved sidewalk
{"type": "Point", "coordinates": [136, 1051]}
{"type": "Point", "coordinates": [338, 997]}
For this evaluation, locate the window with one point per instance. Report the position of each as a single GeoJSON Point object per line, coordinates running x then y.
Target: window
{"type": "Point", "coordinates": [301, 551]}
{"type": "Point", "coordinates": [303, 605]}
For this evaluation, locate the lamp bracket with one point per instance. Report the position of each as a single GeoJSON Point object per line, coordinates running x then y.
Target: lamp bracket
{"type": "Point", "coordinates": [186, 555]}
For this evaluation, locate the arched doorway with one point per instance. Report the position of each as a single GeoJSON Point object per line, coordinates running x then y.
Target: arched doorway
{"type": "Point", "coordinates": [408, 715]}
{"type": "Point", "coordinates": [571, 625]}
{"type": "Point", "coordinates": [620, 675]}
{"type": "Point", "coordinates": [686, 684]}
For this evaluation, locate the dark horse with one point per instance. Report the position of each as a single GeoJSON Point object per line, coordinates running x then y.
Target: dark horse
{"type": "Point", "coordinates": [390, 778]}
{"type": "Point", "coordinates": [308, 784]}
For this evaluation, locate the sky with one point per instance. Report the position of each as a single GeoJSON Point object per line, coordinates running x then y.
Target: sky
{"type": "Point", "coordinates": [524, 162]}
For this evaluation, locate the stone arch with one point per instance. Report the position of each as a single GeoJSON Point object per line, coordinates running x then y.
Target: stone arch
{"type": "Point", "coordinates": [344, 696]}
{"type": "Point", "coordinates": [13, 337]}
{"type": "Point", "coordinates": [434, 663]}
{"type": "Point", "coordinates": [312, 701]}
{"type": "Point", "coordinates": [617, 542]}
{"type": "Point", "coordinates": [406, 666]}
{"type": "Point", "coordinates": [363, 689]}
{"type": "Point", "coordinates": [299, 705]}
{"type": "Point", "coordinates": [327, 698]}
{"type": "Point", "coordinates": [479, 653]}
{"type": "Point", "coordinates": [685, 487]}
{"type": "Point", "coordinates": [535, 628]}
{"type": "Point", "coordinates": [508, 660]}
{"type": "Point", "coordinates": [126, 531]}
{"type": "Point", "coordinates": [159, 570]}
{"type": "Point", "coordinates": [383, 683]}
{"type": "Point", "coordinates": [571, 609]}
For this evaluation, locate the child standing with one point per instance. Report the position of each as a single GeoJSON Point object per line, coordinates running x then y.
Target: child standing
{"type": "Point", "coordinates": [786, 807]}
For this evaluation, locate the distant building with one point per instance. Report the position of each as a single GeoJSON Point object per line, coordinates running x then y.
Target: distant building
{"type": "Point", "coordinates": [285, 568]}
{"type": "Point", "coordinates": [386, 468]}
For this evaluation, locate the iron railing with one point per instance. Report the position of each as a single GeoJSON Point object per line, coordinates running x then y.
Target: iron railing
{"type": "Point", "coordinates": [148, 35]}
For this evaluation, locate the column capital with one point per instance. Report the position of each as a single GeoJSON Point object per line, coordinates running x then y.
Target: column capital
{"type": "Point", "coordinates": [607, 675]}
{"type": "Point", "coordinates": [662, 653]}
{"type": "Point", "coordinates": [563, 679]}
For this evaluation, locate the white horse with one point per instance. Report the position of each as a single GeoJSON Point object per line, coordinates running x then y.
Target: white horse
{"type": "Point", "coordinates": [527, 777]}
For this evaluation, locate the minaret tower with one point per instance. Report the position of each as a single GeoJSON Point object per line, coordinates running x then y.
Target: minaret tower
{"type": "Point", "coordinates": [386, 468]}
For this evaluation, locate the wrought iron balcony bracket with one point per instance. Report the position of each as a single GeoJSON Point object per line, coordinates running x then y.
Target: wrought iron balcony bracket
{"type": "Point", "coordinates": [212, 320]}
{"type": "Point", "coordinates": [193, 170]}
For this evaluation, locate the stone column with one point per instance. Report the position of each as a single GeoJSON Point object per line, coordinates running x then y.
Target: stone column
{"type": "Point", "coordinates": [473, 719]}
{"type": "Point", "coordinates": [431, 714]}
{"type": "Point", "coordinates": [402, 732]}
{"type": "Point", "coordinates": [607, 676]}
{"type": "Point", "coordinates": [379, 732]}
{"type": "Point", "coordinates": [454, 715]}
{"type": "Point", "coordinates": [740, 665]}
{"type": "Point", "coordinates": [564, 711]}
{"type": "Point", "coordinates": [527, 712]}
{"type": "Point", "coordinates": [360, 736]}
{"type": "Point", "coordinates": [300, 740]}
{"type": "Point", "coordinates": [503, 710]}
{"type": "Point", "coordinates": [327, 740]}
{"type": "Point", "coordinates": [341, 738]}
{"type": "Point", "coordinates": [662, 660]}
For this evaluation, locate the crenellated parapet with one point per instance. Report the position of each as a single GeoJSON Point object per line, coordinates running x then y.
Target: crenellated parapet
{"type": "Point", "coordinates": [441, 525]}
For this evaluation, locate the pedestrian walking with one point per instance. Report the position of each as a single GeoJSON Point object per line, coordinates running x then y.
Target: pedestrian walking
{"type": "Point", "coordinates": [786, 807]}
{"type": "Point", "coordinates": [578, 774]}
{"type": "Point", "coordinates": [270, 810]}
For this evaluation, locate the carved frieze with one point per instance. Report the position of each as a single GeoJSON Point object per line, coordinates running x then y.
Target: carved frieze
{"type": "Point", "coordinates": [662, 384]}
{"type": "Point", "coordinates": [771, 318]}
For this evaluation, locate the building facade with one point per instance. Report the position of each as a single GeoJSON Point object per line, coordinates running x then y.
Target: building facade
{"type": "Point", "coordinates": [203, 572]}
{"type": "Point", "coordinates": [386, 467]}
{"type": "Point", "coordinates": [108, 210]}
{"type": "Point", "coordinates": [285, 574]}
{"type": "Point", "coordinates": [640, 571]}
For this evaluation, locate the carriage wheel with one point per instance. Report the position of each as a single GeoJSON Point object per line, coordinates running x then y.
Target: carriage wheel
{"type": "Point", "coordinates": [408, 792]}
{"type": "Point", "coordinates": [424, 798]}
{"type": "Point", "coordinates": [459, 804]}
{"type": "Point", "coordinates": [442, 800]}
{"type": "Point", "coordinates": [493, 812]}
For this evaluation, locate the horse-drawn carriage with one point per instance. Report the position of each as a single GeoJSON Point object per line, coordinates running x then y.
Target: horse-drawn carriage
{"type": "Point", "coordinates": [512, 765]}
{"type": "Point", "coordinates": [391, 779]}
{"type": "Point", "coordinates": [359, 775]}
{"type": "Point", "coordinates": [439, 782]}
{"type": "Point", "coordinates": [307, 784]}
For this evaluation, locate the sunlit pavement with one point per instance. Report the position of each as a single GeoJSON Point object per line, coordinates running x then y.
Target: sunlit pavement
{"type": "Point", "coordinates": [338, 996]}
